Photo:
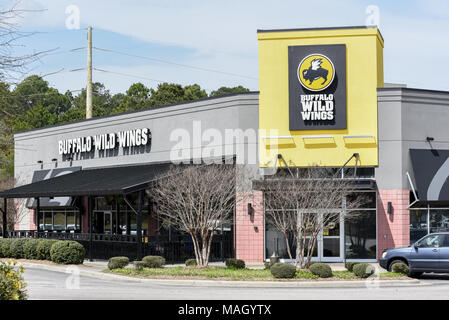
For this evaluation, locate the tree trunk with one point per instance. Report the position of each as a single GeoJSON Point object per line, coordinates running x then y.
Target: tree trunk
{"type": "Point", "coordinates": [288, 246]}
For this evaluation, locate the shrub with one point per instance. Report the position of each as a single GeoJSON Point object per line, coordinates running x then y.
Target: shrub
{"type": "Point", "coordinates": [43, 248]}
{"type": "Point", "coordinates": [235, 263]}
{"type": "Point", "coordinates": [400, 267]}
{"type": "Point", "coordinates": [118, 262]}
{"type": "Point", "coordinates": [283, 270]}
{"type": "Point", "coordinates": [16, 248]}
{"type": "Point", "coordinates": [2, 241]}
{"type": "Point", "coordinates": [191, 263]}
{"type": "Point", "coordinates": [139, 265]}
{"type": "Point", "coordinates": [11, 282]}
{"type": "Point", "coordinates": [321, 270]}
{"type": "Point", "coordinates": [30, 249]}
{"type": "Point", "coordinates": [363, 270]}
{"type": "Point", "coordinates": [153, 261]}
{"type": "Point", "coordinates": [6, 245]}
{"type": "Point", "coordinates": [350, 265]}
{"type": "Point", "coordinates": [67, 252]}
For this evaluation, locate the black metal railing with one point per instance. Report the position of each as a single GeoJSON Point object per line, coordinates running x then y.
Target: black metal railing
{"type": "Point", "coordinates": [105, 246]}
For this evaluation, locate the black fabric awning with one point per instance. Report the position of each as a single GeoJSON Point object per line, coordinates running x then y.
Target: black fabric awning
{"type": "Point", "coordinates": [92, 182]}
{"type": "Point", "coordinates": [431, 172]}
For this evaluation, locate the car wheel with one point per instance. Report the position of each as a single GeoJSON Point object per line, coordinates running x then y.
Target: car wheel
{"type": "Point", "coordinates": [393, 262]}
{"type": "Point", "coordinates": [415, 274]}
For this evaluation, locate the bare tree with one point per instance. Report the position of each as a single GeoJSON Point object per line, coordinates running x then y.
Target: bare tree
{"type": "Point", "coordinates": [197, 200]}
{"type": "Point", "coordinates": [306, 205]}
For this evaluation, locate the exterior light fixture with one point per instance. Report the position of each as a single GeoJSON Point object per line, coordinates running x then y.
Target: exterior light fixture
{"type": "Point", "coordinates": [389, 207]}
{"type": "Point", "coordinates": [41, 163]}
{"type": "Point", "coordinates": [250, 209]}
{"type": "Point", "coordinates": [429, 139]}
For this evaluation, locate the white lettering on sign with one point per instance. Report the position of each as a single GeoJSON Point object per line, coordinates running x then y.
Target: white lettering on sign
{"type": "Point", "coordinates": [317, 107]}
{"type": "Point", "coordinates": [106, 141]}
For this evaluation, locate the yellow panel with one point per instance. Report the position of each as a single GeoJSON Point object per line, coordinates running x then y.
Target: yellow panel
{"type": "Point", "coordinates": [364, 74]}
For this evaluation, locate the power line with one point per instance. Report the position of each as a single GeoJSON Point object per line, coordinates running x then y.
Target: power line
{"type": "Point", "coordinates": [128, 75]}
{"type": "Point", "coordinates": [176, 64]}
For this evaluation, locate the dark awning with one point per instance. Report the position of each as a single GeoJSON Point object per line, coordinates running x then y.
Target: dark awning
{"type": "Point", "coordinates": [92, 182]}
{"type": "Point", "coordinates": [431, 172]}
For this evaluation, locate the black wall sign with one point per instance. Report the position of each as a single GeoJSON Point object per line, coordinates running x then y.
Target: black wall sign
{"type": "Point", "coordinates": [431, 171]}
{"type": "Point", "coordinates": [317, 87]}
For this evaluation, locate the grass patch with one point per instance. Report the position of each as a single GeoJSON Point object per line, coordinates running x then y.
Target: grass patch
{"type": "Point", "coordinates": [223, 273]}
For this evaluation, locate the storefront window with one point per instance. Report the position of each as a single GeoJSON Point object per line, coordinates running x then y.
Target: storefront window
{"type": "Point", "coordinates": [425, 221]}
{"type": "Point", "coordinates": [418, 224]}
{"type": "Point", "coordinates": [360, 236]}
{"type": "Point", "coordinates": [61, 220]}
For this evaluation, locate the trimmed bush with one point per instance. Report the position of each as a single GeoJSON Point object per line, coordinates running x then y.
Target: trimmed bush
{"type": "Point", "coordinates": [139, 265]}
{"type": "Point", "coordinates": [30, 249]}
{"type": "Point", "coordinates": [191, 263]}
{"type": "Point", "coordinates": [67, 252]}
{"type": "Point", "coordinates": [5, 248]}
{"type": "Point", "coordinates": [118, 262]}
{"type": "Point", "coordinates": [363, 270]}
{"type": "Point", "coordinates": [400, 267]}
{"type": "Point", "coordinates": [350, 265]}
{"type": "Point", "coordinates": [154, 261]}
{"type": "Point", "coordinates": [16, 248]}
{"type": "Point", "coordinates": [283, 270]}
{"type": "Point", "coordinates": [2, 241]}
{"type": "Point", "coordinates": [43, 248]}
{"type": "Point", "coordinates": [235, 263]}
{"type": "Point", "coordinates": [321, 270]}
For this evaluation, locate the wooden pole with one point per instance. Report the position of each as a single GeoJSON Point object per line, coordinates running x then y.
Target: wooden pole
{"type": "Point", "coordinates": [89, 75]}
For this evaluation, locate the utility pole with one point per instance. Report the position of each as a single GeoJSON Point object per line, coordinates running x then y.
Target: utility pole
{"type": "Point", "coordinates": [89, 75]}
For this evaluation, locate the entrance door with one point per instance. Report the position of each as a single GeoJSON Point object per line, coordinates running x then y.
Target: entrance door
{"type": "Point", "coordinates": [107, 223]}
{"type": "Point", "coordinates": [330, 243]}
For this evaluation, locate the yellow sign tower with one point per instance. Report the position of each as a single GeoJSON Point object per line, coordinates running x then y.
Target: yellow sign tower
{"type": "Point", "coordinates": [318, 96]}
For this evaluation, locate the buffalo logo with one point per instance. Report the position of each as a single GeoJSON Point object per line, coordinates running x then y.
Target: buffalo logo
{"type": "Point", "coordinates": [316, 72]}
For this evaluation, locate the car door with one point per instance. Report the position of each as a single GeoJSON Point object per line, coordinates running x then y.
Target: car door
{"type": "Point", "coordinates": [444, 254]}
{"type": "Point", "coordinates": [425, 253]}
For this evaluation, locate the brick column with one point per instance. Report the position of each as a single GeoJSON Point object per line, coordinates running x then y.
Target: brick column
{"type": "Point", "coordinates": [393, 229]}
{"type": "Point", "coordinates": [249, 229]}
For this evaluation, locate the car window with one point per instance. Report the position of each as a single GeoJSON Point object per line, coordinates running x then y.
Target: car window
{"type": "Point", "coordinates": [432, 241]}
{"type": "Point", "coordinates": [445, 242]}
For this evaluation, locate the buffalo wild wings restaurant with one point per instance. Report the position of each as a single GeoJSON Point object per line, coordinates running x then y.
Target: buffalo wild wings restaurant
{"type": "Point", "coordinates": [322, 102]}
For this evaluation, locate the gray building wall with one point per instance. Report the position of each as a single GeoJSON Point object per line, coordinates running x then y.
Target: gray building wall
{"type": "Point", "coordinates": [406, 118]}
{"type": "Point", "coordinates": [216, 117]}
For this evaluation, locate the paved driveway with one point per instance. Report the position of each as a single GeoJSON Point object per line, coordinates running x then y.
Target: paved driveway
{"type": "Point", "coordinates": [45, 284]}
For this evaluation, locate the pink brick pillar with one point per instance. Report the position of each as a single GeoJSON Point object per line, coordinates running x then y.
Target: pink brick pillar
{"type": "Point", "coordinates": [249, 229]}
{"type": "Point", "coordinates": [33, 223]}
{"type": "Point", "coordinates": [393, 229]}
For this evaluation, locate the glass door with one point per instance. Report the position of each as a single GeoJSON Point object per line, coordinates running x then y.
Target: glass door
{"type": "Point", "coordinates": [331, 242]}
{"type": "Point", "coordinates": [107, 222]}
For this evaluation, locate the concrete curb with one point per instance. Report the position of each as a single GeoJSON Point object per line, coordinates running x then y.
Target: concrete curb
{"type": "Point", "coordinates": [230, 283]}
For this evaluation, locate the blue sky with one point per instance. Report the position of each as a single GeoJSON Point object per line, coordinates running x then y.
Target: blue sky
{"type": "Point", "coordinates": [221, 35]}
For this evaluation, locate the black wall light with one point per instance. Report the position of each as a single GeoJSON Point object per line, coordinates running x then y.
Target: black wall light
{"type": "Point", "coordinates": [41, 163]}
{"type": "Point", "coordinates": [389, 207]}
{"type": "Point", "coordinates": [250, 209]}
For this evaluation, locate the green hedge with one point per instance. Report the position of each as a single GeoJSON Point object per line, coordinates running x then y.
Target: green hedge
{"type": "Point", "coordinates": [3, 241]}
{"type": "Point", "coordinates": [400, 267]}
{"type": "Point", "coordinates": [191, 263]}
{"type": "Point", "coordinates": [30, 249]}
{"type": "Point", "coordinates": [16, 248]}
{"type": "Point", "coordinates": [43, 248]}
{"type": "Point", "coordinates": [283, 270]}
{"type": "Point", "coordinates": [67, 252]}
{"type": "Point", "coordinates": [139, 265]}
{"type": "Point", "coordinates": [153, 261]}
{"type": "Point", "coordinates": [118, 262]}
{"type": "Point", "coordinates": [235, 263]}
{"type": "Point", "coordinates": [321, 270]}
{"type": "Point", "coordinates": [350, 266]}
{"type": "Point", "coordinates": [363, 270]}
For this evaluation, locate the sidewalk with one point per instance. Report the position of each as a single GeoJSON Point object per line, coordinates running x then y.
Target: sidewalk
{"type": "Point", "coordinates": [95, 270]}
